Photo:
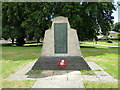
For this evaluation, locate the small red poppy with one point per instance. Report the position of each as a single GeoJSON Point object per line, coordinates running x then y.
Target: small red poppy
{"type": "Point", "coordinates": [61, 63]}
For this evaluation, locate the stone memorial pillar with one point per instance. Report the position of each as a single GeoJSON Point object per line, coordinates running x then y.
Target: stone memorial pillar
{"type": "Point", "coordinates": [61, 42]}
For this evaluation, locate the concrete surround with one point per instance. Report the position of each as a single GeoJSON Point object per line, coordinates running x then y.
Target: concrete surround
{"type": "Point", "coordinates": [73, 43]}
{"type": "Point", "coordinates": [61, 78]}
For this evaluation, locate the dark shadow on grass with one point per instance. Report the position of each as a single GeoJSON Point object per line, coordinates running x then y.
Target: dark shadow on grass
{"type": "Point", "coordinates": [87, 47]}
{"type": "Point", "coordinates": [92, 47]}
{"type": "Point", "coordinates": [6, 44]}
{"type": "Point", "coordinates": [94, 51]}
{"type": "Point", "coordinates": [102, 47]}
{"type": "Point", "coordinates": [85, 50]}
{"type": "Point", "coordinates": [14, 45]}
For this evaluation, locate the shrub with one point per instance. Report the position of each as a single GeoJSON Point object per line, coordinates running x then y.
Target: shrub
{"type": "Point", "coordinates": [109, 41]}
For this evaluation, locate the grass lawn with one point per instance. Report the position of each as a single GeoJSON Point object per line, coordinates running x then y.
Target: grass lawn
{"type": "Point", "coordinates": [104, 43]}
{"type": "Point", "coordinates": [93, 84]}
{"type": "Point", "coordinates": [111, 44]}
{"type": "Point", "coordinates": [18, 84]}
{"type": "Point", "coordinates": [87, 72]}
{"type": "Point", "coordinates": [37, 72]}
{"type": "Point", "coordinates": [9, 66]}
{"type": "Point", "coordinates": [106, 57]}
{"type": "Point", "coordinates": [14, 58]}
{"type": "Point", "coordinates": [20, 53]}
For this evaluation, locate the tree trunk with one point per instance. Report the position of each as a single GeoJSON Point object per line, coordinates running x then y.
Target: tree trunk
{"type": "Point", "coordinates": [20, 42]}
{"type": "Point", "coordinates": [12, 41]}
{"type": "Point", "coordinates": [96, 42]}
{"type": "Point", "coordinates": [38, 40]}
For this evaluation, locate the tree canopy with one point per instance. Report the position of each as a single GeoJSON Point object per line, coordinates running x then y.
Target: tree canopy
{"type": "Point", "coordinates": [117, 27]}
{"type": "Point", "coordinates": [30, 19]}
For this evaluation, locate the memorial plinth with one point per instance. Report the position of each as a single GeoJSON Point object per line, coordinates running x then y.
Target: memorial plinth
{"type": "Point", "coordinates": [61, 42]}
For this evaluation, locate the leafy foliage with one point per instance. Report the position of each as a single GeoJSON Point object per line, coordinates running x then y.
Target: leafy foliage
{"type": "Point", "coordinates": [117, 27]}
{"type": "Point", "coordinates": [30, 20]}
{"type": "Point", "coordinates": [88, 18]}
{"type": "Point", "coordinates": [12, 18]}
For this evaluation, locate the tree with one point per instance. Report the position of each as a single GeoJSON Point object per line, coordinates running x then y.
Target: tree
{"type": "Point", "coordinates": [12, 17]}
{"type": "Point", "coordinates": [21, 20]}
{"type": "Point", "coordinates": [119, 36]}
{"type": "Point", "coordinates": [10, 32]}
{"type": "Point", "coordinates": [117, 27]}
{"type": "Point", "coordinates": [30, 20]}
{"type": "Point", "coordinates": [87, 18]}
{"type": "Point", "coordinates": [38, 20]}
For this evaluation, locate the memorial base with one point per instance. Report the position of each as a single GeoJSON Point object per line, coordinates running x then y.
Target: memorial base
{"type": "Point", "coordinates": [51, 63]}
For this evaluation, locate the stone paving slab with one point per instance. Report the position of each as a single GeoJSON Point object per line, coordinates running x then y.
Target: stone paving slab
{"type": "Point", "coordinates": [74, 73]}
{"type": "Point", "coordinates": [17, 77]}
{"type": "Point", "coordinates": [20, 74]}
{"type": "Point", "coordinates": [25, 68]}
{"type": "Point", "coordinates": [94, 66]}
{"type": "Point", "coordinates": [46, 78]}
{"type": "Point", "coordinates": [90, 78]}
{"type": "Point", "coordinates": [107, 79]}
{"type": "Point", "coordinates": [101, 73]}
{"type": "Point", "coordinates": [60, 72]}
{"type": "Point", "coordinates": [58, 84]}
{"type": "Point", "coordinates": [43, 74]}
{"type": "Point", "coordinates": [60, 77]}
{"type": "Point", "coordinates": [75, 77]}
{"type": "Point", "coordinates": [47, 73]}
{"type": "Point", "coordinates": [32, 77]}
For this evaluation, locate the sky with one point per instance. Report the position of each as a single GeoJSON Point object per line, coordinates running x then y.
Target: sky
{"type": "Point", "coordinates": [115, 13]}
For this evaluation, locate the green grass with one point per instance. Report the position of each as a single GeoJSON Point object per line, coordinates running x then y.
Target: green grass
{"type": "Point", "coordinates": [105, 43]}
{"type": "Point", "coordinates": [13, 58]}
{"type": "Point", "coordinates": [18, 83]}
{"type": "Point", "coordinates": [93, 84]}
{"type": "Point", "coordinates": [87, 72]}
{"type": "Point", "coordinates": [9, 67]}
{"type": "Point", "coordinates": [34, 72]}
{"type": "Point", "coordinates": [106, 57]}
{"type": "Point", "coordinates": [98, 70]}
{"type": "Point", "coordinates": [111, 44]}
{"type": "Point", "coordinates": [20, 53]}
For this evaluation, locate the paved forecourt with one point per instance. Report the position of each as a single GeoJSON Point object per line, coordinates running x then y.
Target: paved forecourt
{"type": "Point", "coordinates": [61, 78]}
